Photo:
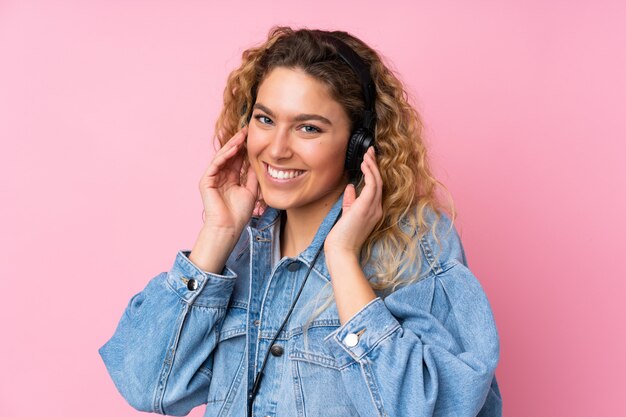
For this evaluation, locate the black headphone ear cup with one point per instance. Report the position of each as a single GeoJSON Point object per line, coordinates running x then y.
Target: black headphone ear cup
{"type": "Point", "coordinates": [360, 140]}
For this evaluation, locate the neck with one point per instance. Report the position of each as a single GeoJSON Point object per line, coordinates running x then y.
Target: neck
{"type": "Point", "coordinates": [299, 226]}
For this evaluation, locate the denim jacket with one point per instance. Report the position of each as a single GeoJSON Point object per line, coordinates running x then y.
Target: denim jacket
{"type": "Point", "coordinates": [190, 337]}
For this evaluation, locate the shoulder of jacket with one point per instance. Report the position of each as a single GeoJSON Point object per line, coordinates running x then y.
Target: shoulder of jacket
{"type": "Point", "coordinates": [439, 241]}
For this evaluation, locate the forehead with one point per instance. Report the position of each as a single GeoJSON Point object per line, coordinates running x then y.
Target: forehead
{"type": "Point", "coordinates": [287, 90]}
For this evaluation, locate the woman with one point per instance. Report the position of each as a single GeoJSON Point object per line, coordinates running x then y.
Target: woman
{"type": "Point", "coordinates": [347, 293]}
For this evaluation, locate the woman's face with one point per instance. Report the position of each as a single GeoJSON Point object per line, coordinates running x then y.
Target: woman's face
{"type": "Point", "coordinates": [297, 141]}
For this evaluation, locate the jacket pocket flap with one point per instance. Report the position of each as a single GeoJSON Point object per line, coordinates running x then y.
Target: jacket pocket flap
{"type": "Point", "coordinates": [313, 349]}
{"type": "Point", "coordinates": [234, 323]}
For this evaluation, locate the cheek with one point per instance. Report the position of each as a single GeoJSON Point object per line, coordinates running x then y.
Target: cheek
{"type": "Point", "coordinates": [328, 162]}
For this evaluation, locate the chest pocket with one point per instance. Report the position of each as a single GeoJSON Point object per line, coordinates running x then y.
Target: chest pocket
{"type": "Point", "coordinates": [234, 323]}
{"type": "Point", "coordinates": [311, 348]}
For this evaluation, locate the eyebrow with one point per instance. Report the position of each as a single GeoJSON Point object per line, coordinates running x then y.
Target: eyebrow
{"type": "Point", "coordinates": [299, 118]}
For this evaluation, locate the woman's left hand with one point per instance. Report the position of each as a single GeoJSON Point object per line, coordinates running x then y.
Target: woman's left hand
{"type": "Point", "coordinates": [360, 214]}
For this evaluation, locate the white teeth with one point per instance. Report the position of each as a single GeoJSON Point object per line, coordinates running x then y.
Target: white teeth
{"type": "Point", "coordinates": [281, 175]}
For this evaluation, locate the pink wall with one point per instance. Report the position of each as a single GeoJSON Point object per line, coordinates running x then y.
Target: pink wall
{"type": "Point", "coordinates": [106, 112]}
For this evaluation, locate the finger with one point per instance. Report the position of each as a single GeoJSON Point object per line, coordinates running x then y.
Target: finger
{"type": "Point", "coordinates": [378, 178]}
{"type": "Point", "coordinates": [370, 158]}
{"type": "Point", "coordinates": [219, 160]}
{"type": "Point", "coordinates": [227, 160]}
{"type": "Point", "coordinates": [379, 188]}
{"type": "Point", "coordinates": [349, 196]}
{"type": "Point", "coordinates": [231, 147]}
{"type": "Point", "coordinates": [369, 190]}
{"type": "Point", "coordinates": [224, 168]}
{"type": "Point", "coordinates": [236, 161]}
{"type": "Point", "coordinates": [237, 139]}
{"type": "Point", "coordinates": [369, 168]}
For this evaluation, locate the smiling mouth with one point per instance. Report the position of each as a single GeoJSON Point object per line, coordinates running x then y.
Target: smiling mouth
{"type": "Point", "coordinates": [280, 174]}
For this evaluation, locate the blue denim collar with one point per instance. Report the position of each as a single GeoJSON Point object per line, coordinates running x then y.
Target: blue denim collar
{"type": "Point", "coordinates": [271, 215]}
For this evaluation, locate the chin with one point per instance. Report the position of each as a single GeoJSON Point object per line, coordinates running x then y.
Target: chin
{"type": "Point", "coordinates": [295, 200]}
{"type": "Point", "coordinates": [284, 202]}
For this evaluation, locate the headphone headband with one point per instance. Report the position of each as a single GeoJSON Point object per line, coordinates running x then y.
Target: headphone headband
{"type": "Point", "coordinates": [361, 69]}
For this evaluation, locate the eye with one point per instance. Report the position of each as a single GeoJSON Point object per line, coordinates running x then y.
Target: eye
{"type": "Point", "coordinates": [314, 129]}
{"type": "Point", "coordinates": [259, 117]}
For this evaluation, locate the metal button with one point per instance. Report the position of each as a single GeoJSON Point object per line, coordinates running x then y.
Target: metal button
{"type": "Point", "coordinates": [293, 267]}
{"type": "Point", "coordinates": [192, 285]}
{"type": "Point", "coordinates": [351, 340]}
{"type": "Point", "coordinates": [277, 350]}
{"type": "Point", "coordinates": [257, 322]}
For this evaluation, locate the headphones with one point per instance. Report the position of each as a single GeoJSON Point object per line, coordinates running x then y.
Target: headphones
{"type": "Point", "coordinates": [362, 137]}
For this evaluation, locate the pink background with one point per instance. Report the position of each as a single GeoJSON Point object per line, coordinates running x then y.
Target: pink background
{"type": "Point", "coordinates": [106, 115]}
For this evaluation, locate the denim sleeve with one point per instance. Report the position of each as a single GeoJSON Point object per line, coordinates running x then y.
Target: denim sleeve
{"type": "Point", "coordinates": [428, 349]}
{"type": "Point", "coordinates": [160, 356]}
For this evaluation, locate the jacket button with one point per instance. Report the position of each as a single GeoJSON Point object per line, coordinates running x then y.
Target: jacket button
{"type": "Point", "coordinates": [277, 350]}
{"type": "Point", "coordinates": [351, 340]}
{"type": "Point", "coordinates": [293, 267]}
{"type": "Point", "coordinates": [192, 285]}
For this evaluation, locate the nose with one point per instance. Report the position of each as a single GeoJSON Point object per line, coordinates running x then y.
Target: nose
{"type": "Point", "coordinates": [280, 145]}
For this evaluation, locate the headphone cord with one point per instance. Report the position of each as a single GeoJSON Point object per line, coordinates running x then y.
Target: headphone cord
{"type": "Point", "coordinates": [259, 376]}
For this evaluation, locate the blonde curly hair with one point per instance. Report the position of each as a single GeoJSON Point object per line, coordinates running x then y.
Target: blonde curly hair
{"type": "Point", "coordinates": [409, 188]}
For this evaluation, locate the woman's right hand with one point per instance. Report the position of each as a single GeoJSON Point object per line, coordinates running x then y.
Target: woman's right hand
{"type": "Point", "coordinates": [227, 204]}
